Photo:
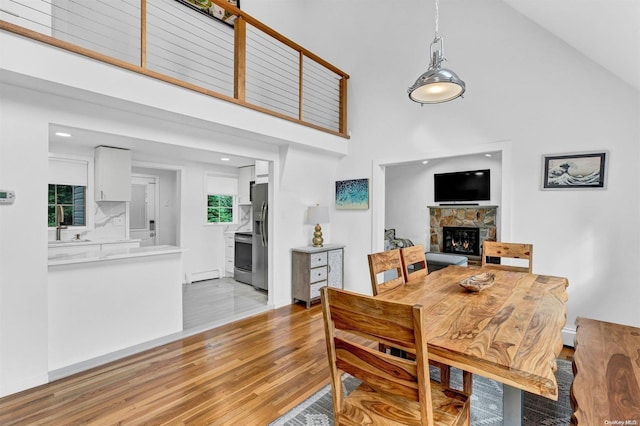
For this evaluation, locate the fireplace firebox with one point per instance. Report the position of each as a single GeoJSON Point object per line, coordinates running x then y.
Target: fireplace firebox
{"type": "Point", "coordinates": [461, 240]}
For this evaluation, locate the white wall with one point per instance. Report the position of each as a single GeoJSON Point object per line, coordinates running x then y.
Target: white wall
{"type": "Point", "coordinates": [409, 192]}
{"type": "Point", "coordinates": [23, 246]}
{"type": "Point", "coordinates": [523, 85]}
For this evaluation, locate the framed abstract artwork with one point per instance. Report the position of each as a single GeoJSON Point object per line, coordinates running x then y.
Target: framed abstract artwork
{"type": "Point", "coordinates": [574, 171]}
{"type": "Point", "coordinates": [352, 194]}
{"type": "Point", "coordinates": [213, 10]}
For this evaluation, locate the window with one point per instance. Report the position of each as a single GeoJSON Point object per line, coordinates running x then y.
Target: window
{"type": "Point", "coordinates": [219, 209]}
{"type": "Point", "coordinates": [221, 196]}
{"type": "Point", "coordinates": [68, 183]}
{"type": "Point", "coordinates": [68, 200]}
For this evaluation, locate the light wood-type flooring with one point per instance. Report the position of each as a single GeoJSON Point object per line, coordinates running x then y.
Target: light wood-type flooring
{"type": "Point", "coordinates": [244, 373]}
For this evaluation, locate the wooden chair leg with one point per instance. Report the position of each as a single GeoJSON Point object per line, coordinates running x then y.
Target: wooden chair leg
{"type": "Point", "coordinates": [467, 382]}
{"type": "Point", "coordinates": [445, 375]}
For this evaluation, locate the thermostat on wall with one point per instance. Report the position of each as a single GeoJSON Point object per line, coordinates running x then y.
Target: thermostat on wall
{"type": "Point", "coordinates": [7, 197]}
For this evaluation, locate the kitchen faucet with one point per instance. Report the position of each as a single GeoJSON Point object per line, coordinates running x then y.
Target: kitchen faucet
{"type": "Point", "coordinates": [59, 220]}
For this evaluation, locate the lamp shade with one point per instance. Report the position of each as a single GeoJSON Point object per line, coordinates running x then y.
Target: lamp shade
{"type": "Point", "coordinates": [435, 86]}
{"type": "Point", "coordinates": [317, 214]}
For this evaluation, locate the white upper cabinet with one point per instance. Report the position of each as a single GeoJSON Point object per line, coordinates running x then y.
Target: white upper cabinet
{"type": "Point", "coordinates": [245, 176]}
{"type": "Point", "coordinates": [112, 174]}
{"type": "Point", "coordinates": [262, 171]}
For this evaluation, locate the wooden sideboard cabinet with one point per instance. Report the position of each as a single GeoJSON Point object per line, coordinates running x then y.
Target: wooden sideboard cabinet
{"type": "Point", "coordinates": [313, 268]}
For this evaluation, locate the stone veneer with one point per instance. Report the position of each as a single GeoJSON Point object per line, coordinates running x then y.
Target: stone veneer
{"type": "Point", "coordinates": [482, 217]}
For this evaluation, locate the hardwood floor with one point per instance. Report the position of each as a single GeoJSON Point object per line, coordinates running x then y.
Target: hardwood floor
{"type": "Point", "coordinates": [245, 373]}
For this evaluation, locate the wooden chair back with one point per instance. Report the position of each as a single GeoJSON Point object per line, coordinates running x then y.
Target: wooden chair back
{"type": "Point", "coordinates": [382, 262]}
{"type": "Point", "coordinates": [507, 250]}
{"type": "Point", "coordinates": [413, 256]}
{"type": "Point", "coordinates": [391, 323]}
{"type": "Point", "coordinates": [354, 323]}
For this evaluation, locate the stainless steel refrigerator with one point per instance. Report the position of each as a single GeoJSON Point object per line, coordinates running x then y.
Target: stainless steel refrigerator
{"type": "Point", "coordinates": [260, 258]}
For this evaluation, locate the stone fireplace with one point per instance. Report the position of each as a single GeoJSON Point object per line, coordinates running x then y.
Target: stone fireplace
{"type": "Point", "coordinates": [465, 220]}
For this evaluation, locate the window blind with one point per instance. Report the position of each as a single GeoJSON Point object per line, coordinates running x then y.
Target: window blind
{"type": "Point", "coordinates": [222, 185]}
{"type": "Point", "coordinates": [66, 171]}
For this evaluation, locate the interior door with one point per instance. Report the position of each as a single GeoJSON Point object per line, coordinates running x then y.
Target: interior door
{"type": "Point", "coordinates": [143, 223]}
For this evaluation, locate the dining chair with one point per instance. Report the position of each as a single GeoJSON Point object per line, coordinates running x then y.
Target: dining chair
{"type": "Point", "coordinates": [414, 255]}
{"type": "Point", "coordinates": [385, 261]}
{"type": "Point", "coordinates": [414, 262]}
{"type": "Point", "coordinates": [507, 250]}
{"type": "Point", "coordinates": [393, 390]}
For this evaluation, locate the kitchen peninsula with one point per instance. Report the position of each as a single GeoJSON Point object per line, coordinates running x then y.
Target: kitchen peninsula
{"type": "Point", "coordinates": [105, 301]}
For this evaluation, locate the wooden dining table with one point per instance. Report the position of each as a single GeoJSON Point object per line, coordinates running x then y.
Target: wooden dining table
{"type": "Point", "coordinates": [509, 332]}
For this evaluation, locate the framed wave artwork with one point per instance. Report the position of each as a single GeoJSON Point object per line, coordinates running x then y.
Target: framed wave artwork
{"type": "Point", "coordinates": [574, 171]}
{"type": "Point", "coordinates": [352, 194]}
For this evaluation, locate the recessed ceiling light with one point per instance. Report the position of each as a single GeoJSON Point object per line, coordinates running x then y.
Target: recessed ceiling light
{"type": "Point", "coordinates": [224, 159]}
{"type": "Point", "coordinates": [425, 161]}
{"type": "Point", "coordinates": [63, 134]}
{"type": "Point", "coordinates": [487, 155]}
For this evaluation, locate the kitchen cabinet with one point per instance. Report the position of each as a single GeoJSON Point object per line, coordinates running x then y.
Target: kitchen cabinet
{"type": "Point", "coordinates": [262, 171]}
{"type": "Point", "coordinates": [313, 268]}
{"type": "Point", "coordinates": [245, 176]}
{"type": "Point", "coordinates": [112, 174]}
{"type": "Point", "coordinates": [229, 247]}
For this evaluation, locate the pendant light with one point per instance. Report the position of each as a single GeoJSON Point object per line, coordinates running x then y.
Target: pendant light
{"type": "Point", "coordinates": [437, 84]}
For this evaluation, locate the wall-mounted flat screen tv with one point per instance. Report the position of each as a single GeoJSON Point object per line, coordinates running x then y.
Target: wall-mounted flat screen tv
{"type": "Point", "coordinates": [472, 185]}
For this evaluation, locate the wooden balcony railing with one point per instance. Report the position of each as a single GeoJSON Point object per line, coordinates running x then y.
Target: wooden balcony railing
{"type": "Point", "coordinates": [239, 60]}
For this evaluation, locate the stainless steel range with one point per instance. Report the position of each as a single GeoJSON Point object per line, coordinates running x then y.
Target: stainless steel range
{"type": "Point", "coordinates": [243, 257]}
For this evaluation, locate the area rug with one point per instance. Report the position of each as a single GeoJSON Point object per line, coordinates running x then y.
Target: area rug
{"type": "Point", "coordinates": [486, 402]}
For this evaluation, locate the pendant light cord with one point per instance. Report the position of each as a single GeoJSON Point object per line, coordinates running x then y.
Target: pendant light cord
{"type": "Point", "coordinates": [437, 19]}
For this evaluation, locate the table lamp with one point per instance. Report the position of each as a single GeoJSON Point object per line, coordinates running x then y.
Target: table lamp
{"type": "Point", "coordinates": [317, 215]}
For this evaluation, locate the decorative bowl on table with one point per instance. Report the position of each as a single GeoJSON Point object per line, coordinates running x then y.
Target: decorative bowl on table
{"type": "Point", "coordinates": [478, 282]}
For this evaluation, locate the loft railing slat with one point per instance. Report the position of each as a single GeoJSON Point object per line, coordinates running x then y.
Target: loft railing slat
{"type": "Point", "coordinates": [342, 127]}
{"type": "Point", "coordinates": [240, 59]}
{"type": "Point", "coordinates": [143, 33]}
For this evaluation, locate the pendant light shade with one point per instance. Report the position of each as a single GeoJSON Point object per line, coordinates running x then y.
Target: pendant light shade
{"type": "Point", "coordinates": [437, 84]}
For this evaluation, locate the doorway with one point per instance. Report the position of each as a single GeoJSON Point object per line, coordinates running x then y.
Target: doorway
{"type": "Point", "coordinates": [143, 217]}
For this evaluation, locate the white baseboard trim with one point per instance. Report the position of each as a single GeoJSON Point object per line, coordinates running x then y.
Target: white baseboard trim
{"type": "Point", "coordinates": [204, 275]}
{"type": "Point", "coordinates": [568, 335]}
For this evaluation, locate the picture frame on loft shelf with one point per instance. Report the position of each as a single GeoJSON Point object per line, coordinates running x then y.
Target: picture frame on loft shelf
{"type": "Point", "coordinates": [213, 10]}
{"type": "Point", "coordinates": [352, 194]}
{"type": "Point", "coordinates": [575, 171]}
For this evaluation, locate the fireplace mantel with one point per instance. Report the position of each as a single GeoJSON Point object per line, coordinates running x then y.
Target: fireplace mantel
{"type": "Point", "coordinates": [482, 217]}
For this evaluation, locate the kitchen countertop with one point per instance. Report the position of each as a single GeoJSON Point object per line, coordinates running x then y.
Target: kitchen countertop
{"type": "Point", "coordinates": [99, 256]}
{"type": "Point", "coordinates": [74, 243]}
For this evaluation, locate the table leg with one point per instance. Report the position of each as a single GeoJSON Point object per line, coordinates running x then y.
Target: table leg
{"type": "Point", "coordinates": [511, 406]}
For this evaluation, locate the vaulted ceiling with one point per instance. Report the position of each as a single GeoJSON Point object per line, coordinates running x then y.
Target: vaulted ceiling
{"type": "Point", "coordinates": [605, 31]}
